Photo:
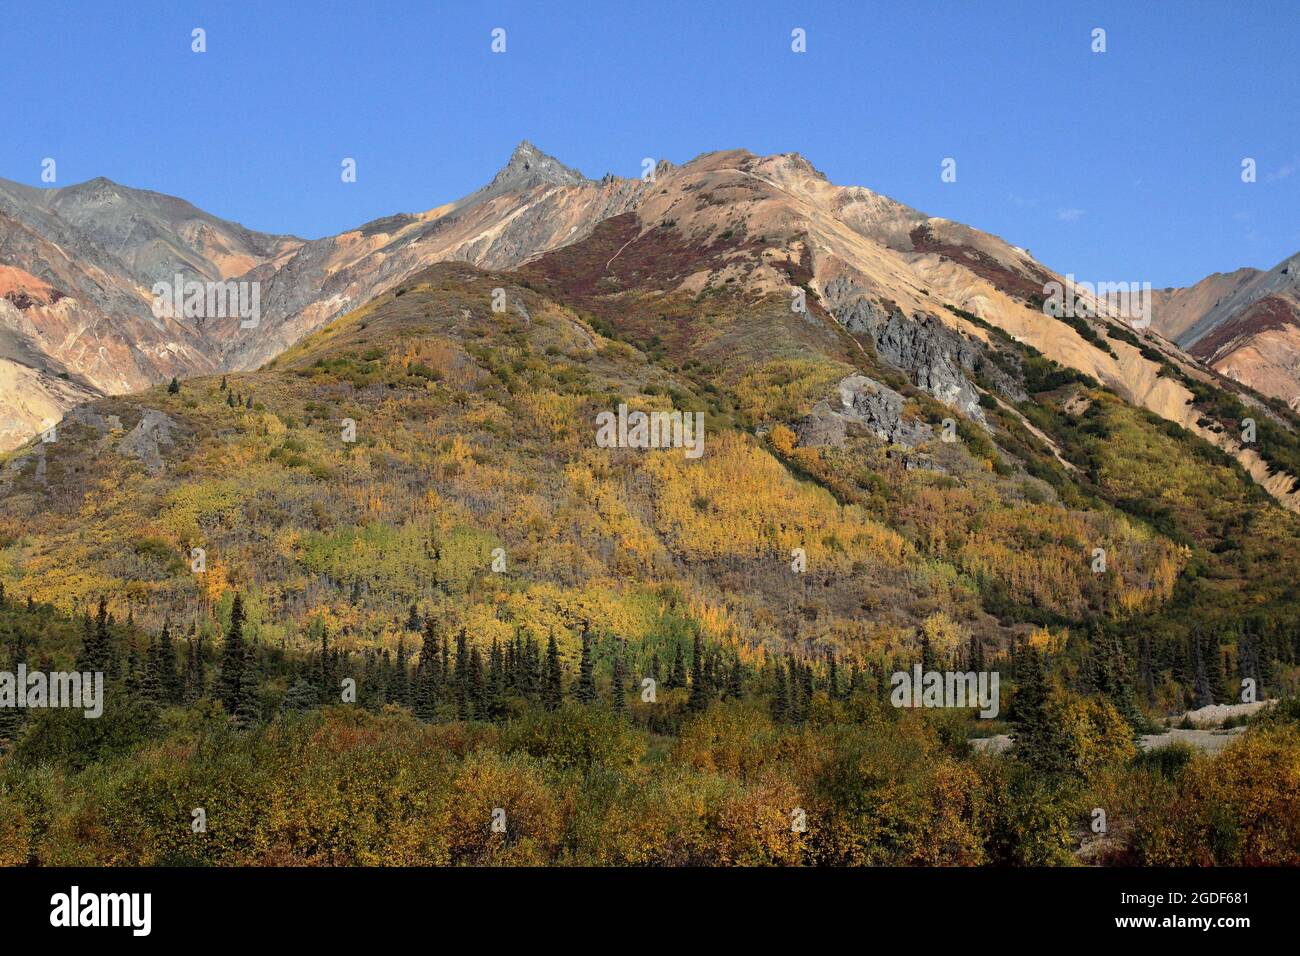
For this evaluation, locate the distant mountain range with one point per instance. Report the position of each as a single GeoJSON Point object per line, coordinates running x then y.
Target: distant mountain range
{"type": "Point", "coordinates": [78, 266]}
{"type": "Point", "coordinates": [1245, 324]}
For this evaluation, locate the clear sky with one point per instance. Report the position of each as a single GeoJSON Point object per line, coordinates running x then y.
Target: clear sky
{"type": "Point", "coordinates": [1124, 165]}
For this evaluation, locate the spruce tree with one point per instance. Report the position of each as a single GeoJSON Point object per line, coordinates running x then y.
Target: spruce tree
{"type": "Point", "coordinates": [133, 672]}
{"type": "Point", "coordinates": [151, 681]}
{"type": "Point", "coordinates": [700, 691]}
{"type": "Point", "coordinates": [233, 659]}
{"type": "Point", "coordinates": [781, 697]}
{"type": "Point", "coordinates": [463, 701]}
{"type": "Point", "coordinates": [194, 684]}
{"type": "Point", "coordinates": [495, 688]}
{"type": "Point", "coordinates": [399, 691]}
{"type": "Point", "coordinates": [928, 660]}
{"type": "Point", "coordinates": [444, 667]}
{"type": "Point", "coordinates": [369, 699]}
{"type": "Point", "coordinates": [794, 682]}
{"type": "Point", "coordinates": [553, 690]}
{"type": "Point", "coordinates": [426, 697]}
{"type": "Point", "coordinates": [677, 673]}
{"type": "Point", "coordinates": [1028, 716]}
{"type": "Point", "coordinates": [384, 666]}
{"type": "Point", "coordinates": [510, 663]}
{"type": "Point", "coordinates": [86, 654]}
{"type": "Point", "coordinates": [247, 709]}
{"type": "Point", "coordinates": [586, 691]}
{"type": "Point", "coordinates": [326, 685]}
{"type": "Point", "coordinates": [617, 692]}
{"type": "Point", "coordinates": [532, 669]}
{"type": "Point", "coordinates": [172, 685]}
{"type": "Point", "coordinates": [1146, 670]}
{"type": "Point", "coordinates": [1183, 671]}
{"type": "Point", "coordinates": [301, 697]}
{"type": "Point", "coordinates": [1218, 685]}
{"type": "Point", "coordinates": [96, 653]}
{"type": "Point", "coordinates": [1118, 683]}
{"type": "Point", "coordinates": [1201, 693]}
{"type": "Point", "coordinates": [476, 692]}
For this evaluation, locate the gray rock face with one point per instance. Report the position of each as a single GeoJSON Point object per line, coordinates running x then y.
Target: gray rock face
{"type": "Point", "coordinates": [529, 166]}
{"type": "Point", "coordinates": [880, 410]}
{"type": "Point", "coordinates": [867, 404]}
{"type": "Point", "coordinates": [935, 356]}
{"type": "Point", "coordinates": [822, 426]}
{"type": "Point", "coordinates": [145, 440]}
{"type": "Point", "coordinates": [84, 415]}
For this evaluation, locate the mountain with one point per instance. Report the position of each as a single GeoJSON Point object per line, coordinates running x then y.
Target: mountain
{"type": "Point", "coordinates": [900, 457]}
{"type": "Point", "coordinates": [1175, 311]}
{"type": "Point", "coordinates": [427, 471]}
{"type": "Point", "coordinates": [474, 430]}
{"type": "Point", "coordinates": [80, 263]}
{"type": "Point", "coordinates": [383, 460]}
{"type": "Point", "coordinates": [1245, 324]}
{"type": "Point", "coordinates": [77, 269]}
{"type": "Point", "coordinates": [533, 204]}
{"type": "Point", "coordinates": [930, 297]}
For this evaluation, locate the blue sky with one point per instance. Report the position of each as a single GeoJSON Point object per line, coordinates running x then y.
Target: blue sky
{"type": "Point", "coordinates": [1124, 165]}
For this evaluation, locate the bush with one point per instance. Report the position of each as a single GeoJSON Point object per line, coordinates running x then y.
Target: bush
{"type": "Point", "coordinates": [575, 737]}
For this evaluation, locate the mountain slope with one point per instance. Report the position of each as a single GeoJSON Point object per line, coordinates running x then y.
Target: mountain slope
{"type": "Point", "coordinates": [1175, 311]}
{"type": "Point", "coordinates": [927, 295]}
{"type": "Point", "coordinates": [475, 430]}
{"type": "Point", "coordinates": [1245, 325]}
{"type": "Point", "coordinates": [533, 204]}
{"type": "Point", "coordinates": [870, 275]}
{"type": "Point", "coordinates": [77, 269]}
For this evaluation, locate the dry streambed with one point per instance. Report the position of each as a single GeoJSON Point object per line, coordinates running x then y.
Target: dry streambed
{"type": "Point", "coordinates": [1207, 733]}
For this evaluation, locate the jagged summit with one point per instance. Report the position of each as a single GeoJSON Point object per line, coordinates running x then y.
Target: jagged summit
{"type": "Point", "coordinates": [529, 166]}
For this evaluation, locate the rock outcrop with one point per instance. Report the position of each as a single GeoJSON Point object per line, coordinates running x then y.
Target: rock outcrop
{"type": "Point", "coordinates": [146, 439]}
{"type": "Point", "coordinates": [935, 357]}
{"type": "Point", "coordinates": [867, 404]}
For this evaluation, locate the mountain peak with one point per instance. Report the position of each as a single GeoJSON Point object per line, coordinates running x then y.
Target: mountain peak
{"type": "Point", "coordinates": [529, 166]}
{"type": "Point", "coordinates": [100, 183]}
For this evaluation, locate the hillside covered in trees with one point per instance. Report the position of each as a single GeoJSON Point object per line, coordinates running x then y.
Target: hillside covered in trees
{"type": "Point", "coordinates": [356, 602]}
